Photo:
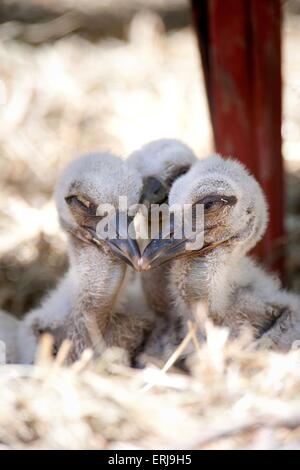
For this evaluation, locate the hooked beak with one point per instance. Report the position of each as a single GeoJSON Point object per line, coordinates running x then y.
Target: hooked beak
{"type": "Point", "coordinates": [122, 245]}
{"type": "Point", "coordinates": [158, 252]}
{"type": "Point", "coordinates": [172, 243]}
{"type": "Point", "coordinates": [126, 250]}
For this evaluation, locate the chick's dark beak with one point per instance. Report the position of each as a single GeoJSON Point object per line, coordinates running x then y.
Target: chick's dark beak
{"type": "Point", "coordinates": [126, 250]}
{"type": "Point", "coordinates": [160, 251]}
{"type": "Point", "coordinates": [105, 230]}
{"type": "Point", "coordinates": [154, 191]}
{"type": "Point", "coordinates": [123, 245]}
{"type": "Point", "coordinates": [176, 238]}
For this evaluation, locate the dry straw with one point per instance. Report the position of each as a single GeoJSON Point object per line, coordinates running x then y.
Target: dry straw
{"type": "Point", "coordinates": [232, 398]}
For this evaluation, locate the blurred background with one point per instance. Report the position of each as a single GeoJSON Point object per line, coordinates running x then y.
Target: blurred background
{"type": "Point", "coordinates": [80, 76]}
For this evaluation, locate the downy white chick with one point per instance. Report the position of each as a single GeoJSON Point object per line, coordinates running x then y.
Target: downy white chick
{"type": "Point", "coordinates": [237, 292]}
{"type": "Point", "coordinates": [93, 305]}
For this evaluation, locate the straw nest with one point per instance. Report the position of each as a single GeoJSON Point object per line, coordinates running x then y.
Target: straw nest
{"type": "Point", "coordinates": [231, 398]}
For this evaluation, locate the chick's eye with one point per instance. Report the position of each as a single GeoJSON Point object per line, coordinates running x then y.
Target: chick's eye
{"type": "Point", "coordinates": [212, 203]}
{"type": "Point", "coordinates": [78, 202]}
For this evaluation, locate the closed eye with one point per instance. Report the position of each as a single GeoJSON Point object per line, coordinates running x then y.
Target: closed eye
{"type": "Point", "coordinates": [215, 201]}
{"type": "Point", "coordinates": [81, 204]}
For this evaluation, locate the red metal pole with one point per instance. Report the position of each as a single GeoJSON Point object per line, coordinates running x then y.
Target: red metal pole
{"type": "Point", "coordinates": [240, 44]}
